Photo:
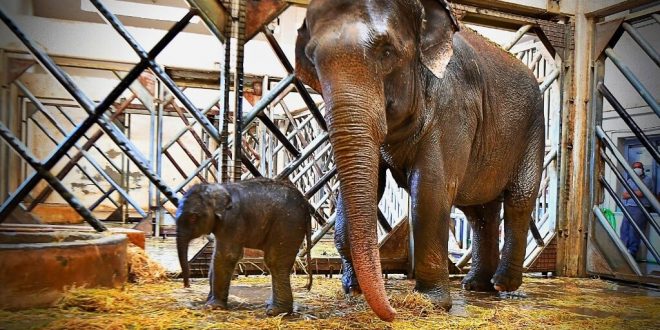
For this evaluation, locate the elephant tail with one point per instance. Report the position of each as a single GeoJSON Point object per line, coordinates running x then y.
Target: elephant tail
{"type": "Point", "coordinates": [308, 243]}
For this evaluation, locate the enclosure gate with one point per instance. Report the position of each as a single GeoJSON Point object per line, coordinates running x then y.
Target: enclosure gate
{"type": "Point", "coordinates": [607, 254]}
{"type": "Point", "coordinates": [292, 141]}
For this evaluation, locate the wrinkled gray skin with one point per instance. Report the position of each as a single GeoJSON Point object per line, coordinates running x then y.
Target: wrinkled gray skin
{"type": "Point", "coordinates": [264, 214]}
{"type": "Point", "coordinates": [456, 119]}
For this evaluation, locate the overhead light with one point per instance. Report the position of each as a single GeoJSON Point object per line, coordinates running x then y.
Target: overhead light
{"type": "Point", "coordinates": [140, 10]}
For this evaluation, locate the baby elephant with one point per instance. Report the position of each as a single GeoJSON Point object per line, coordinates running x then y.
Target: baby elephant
{"type": "Point", "coordinates": [265, 214]}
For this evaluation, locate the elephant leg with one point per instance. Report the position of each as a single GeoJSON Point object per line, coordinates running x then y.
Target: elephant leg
{"type": "Point", "coordinates": [224, 263]}
{"type": "Point", "coordinates": [280, 262]}
{"type": "Point", "coordinates": [348, 278]}
{"type": "Point", "coordinates": [485, 223]}
{"type": "Point", "coordinates": [430, 224]}
{"type": "Point", "coordinates": [519, 200]}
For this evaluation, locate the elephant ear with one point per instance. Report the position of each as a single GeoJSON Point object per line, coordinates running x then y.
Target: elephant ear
{"type": "Point", "coordinates": [305, 70]}
{"type": "Point", "coordinates": [438, 27]}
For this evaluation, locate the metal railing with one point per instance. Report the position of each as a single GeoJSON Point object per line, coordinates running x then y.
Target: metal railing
{"type": "Point", "coordinates": [610, 160]}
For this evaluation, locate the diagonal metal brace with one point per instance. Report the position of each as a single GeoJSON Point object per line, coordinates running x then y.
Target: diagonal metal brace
{"type": "Point", "coordinates": [22, 150]}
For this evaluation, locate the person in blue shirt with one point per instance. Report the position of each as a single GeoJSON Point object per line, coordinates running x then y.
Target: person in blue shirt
{"type": "Point", "coordinates": [629, 235]}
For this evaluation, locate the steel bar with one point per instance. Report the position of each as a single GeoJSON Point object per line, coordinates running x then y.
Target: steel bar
{"type": "Point", "coordinates": [157, 70]}
{"type": "Point", "coordinates": [91, 142]}
{"type": "Point", "coordinates": [267, 99]}
{"type": "Point", "coordinates": [95, 115]}
{"type": "Point", "coordinates": [321, 232]}
{"type": "Point", "coordinates": [178, 168]}
{"type": "Point", "coordinates": [656, 17]}
{"type": "Point", "coordinates": [82, 170]}
{"type": "Point", "coordinates": [639, 87]}
{"type": "Point", "coordinates": [630, 191]}
{"type": "Point", "coordinates": [622, 160]}
{"type": "Point", "coordinates": [250, 167]}
{"type": "Point", "coordinates": [320, 183]}
{"type": "Point", "coordinates": [617, 241]}
{"type": "Point", "coordinates": [304, 171]}
{"type": "Point", "coordinates": [294, 133]}
{"type": "Point", "coordinates": [299, 85]}
{"type": "Point", "coordinates": [115, 185]}
{"type": "Point", "coordinates": [189, 127]}
{"type": "Point", "coordinates": [42, 110]}
{"type": "Point", "coordinates": [103, 197]}
{"type": "Point", "coordinates": [194, 134]}
{"type": "Point", "coordinates": [191, 157]}
{"type": "Point", "coordinates": [114, 116]}
{"type": "Point", "coordinates": [383, 221]}
{"type": "Point", "coordinates": [548, 80]}
{"type": "Point", "coordinates": [628, 217]}
{"type": "Point", "coordinates": [311, 148]}
{"type": "Point", "coordinates": [521, 32]}
{"type": "Point", "coordinates": [535, 61]}
{"type": "Point", "coordinates": [629, 121]}
{"type": "Point", "coordinates": [22, 151]}
{"type": "Point", "coordinates": [645, 45]}
{"type": "Point", "coordinates": [278, 134]}
{"type": "Point", "coordinates": [194, 173]}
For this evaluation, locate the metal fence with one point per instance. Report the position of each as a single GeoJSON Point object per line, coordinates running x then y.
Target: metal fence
{"type": "Point", "coordinates": [611, 172]}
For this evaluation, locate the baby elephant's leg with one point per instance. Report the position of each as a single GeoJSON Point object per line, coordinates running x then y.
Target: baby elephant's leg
{"type": "Point", "coordinates": [224, 263]}
{"type": "Point", "coordinates": [280, 261]}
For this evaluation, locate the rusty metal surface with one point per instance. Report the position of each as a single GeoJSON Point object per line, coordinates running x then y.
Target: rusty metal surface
{"type": "Point", "coordinates": [606, 34]}
{"type": "Point", "coordinates": [260, 13]}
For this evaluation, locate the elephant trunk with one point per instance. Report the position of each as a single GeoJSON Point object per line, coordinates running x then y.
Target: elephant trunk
{"type": "Point", "coordinates": [182, 250]}
{"type": "Point", "coordinates": [356, 129]}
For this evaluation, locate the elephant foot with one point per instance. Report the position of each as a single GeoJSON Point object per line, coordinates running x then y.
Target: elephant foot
{"type": "Point", "coordinates": [350, 284]}
{"type": "Point", "coordinates": [507, 280]}
{"type": "Point", "coordinates": [474, 282]}
{"type": "Point", "coordinates": [439, 297]}
{"type": "Point", "coordinates": [213, 303]}
{"type": "Point", "coordinates": [274, 310]}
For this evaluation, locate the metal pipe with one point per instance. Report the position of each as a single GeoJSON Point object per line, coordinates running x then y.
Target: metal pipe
{"type": "Point", "coordinates": [617, 241]}
{"type": "Point", "coordinates": [321, 232]}
{"type": "Point", "coordinates": [115, 185]}
{"type": "Point", "coordinates": [95, 116]}
{"type": "Point", "coordinates": [189, 127]}
{"type": "Point", "coordinates": [630, 191]}
{"type": "Point", "coordinates": [148, 58]}
{"type": "Point", "coordinates": [105, 196]}
{"type": "Point", "coordinates": [311, 148]}
{"type": "Point", "coordinates": [521, 32]}
{"type": "Point", "coordinates": [622, 160]}
{"type": "Point", "coordinates": [645, 45]}
{"type": "Point", "coordinates": [268, 99]}
{"type": "Point", "coordinates": [628, 217]}
{"type": "Point", "coordinates": [278, 134]}
{"type": "Point", "coordinates": [639, 87]}
{"type": "Point", "coordinates": [299, 85]}
{"type": "Point", "coordinates": [629, 121]}
{"type": "Point", "coordinates": [82, 169]}
{"type": "Point", "coordinates": [22, 150]}
{"type": "Point", "coordinates": [319, 184]}
{"type": "Point", "coordinates": [549, 79]}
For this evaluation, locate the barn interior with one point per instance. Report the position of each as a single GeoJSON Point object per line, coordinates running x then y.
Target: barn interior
{"type": "Point", "coordinates": [111, 110]}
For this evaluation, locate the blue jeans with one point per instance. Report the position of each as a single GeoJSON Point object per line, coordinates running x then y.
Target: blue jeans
{"type": "Point", "coordinates": [629, 235]}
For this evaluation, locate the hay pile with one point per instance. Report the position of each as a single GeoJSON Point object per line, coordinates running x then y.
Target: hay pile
{"type": "Point", "coordinates": [543, 303]}
{"type": "Point", "coordinates": [142, 269]}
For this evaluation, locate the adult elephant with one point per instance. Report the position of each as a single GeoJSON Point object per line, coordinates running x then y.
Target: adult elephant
{"type": "Point", "coordinates": [456, 119]}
